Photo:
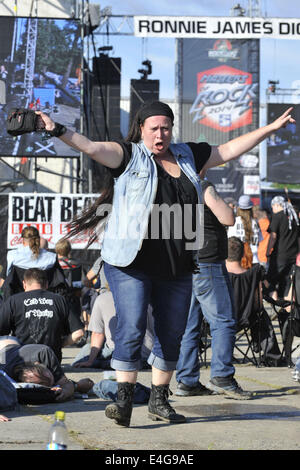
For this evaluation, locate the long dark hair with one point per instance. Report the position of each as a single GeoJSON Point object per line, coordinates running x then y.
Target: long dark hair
{"type": "Point", "coordinates": [90, 217]}
{"type": "Point", "coordinates": [246, 216]}
{"type": "Point", "coordinates": [134, 133]}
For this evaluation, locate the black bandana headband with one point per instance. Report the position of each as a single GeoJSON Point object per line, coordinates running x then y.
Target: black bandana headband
{"type": "Point", "coordinates": [156, 108]}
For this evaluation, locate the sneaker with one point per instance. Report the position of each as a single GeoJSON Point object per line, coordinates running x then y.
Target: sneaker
{"type": "Point", "coordinates": [188, 391]}
{"type": "Point", "coordinates": [228, 386]}
{"type": "Point", "coordinates": [296, 375]}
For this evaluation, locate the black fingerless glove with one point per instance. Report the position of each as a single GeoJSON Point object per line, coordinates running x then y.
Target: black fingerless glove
{"type": "Point", "coordinates": [58, 130]}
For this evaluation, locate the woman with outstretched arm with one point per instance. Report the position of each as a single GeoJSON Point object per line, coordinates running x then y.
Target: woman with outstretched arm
{"type": "Point", "coordinates": [147, 170]}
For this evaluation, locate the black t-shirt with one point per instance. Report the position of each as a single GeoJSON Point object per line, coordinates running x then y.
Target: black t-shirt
{"type": "Point", "coordinates": [14, 355]}
{"type": "Point", "coordinates": [215, 236]}
{"type": "Point", "coordinates": [162, 256]}
{"type": "Point", "coordinates": [286, 246]}
{"type": "Point", "coordinates": [37, 317]}
{"type": "Point", "coordinates": [246, 294]}
{"type": "Point", "coordinates": [73, 272]}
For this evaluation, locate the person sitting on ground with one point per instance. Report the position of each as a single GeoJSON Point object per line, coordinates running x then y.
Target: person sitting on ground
{"type": "Point", "coordinates": [30, 254]}
{"type": "Point", "coordinates": [37, 363]}
{"type": "Point", "coordinates": [95, 283]}
{"type": "Point", "coordinates": [95, 277]}
{"type": "Point", "coordinates": [40, 316]}
{"type": "Point", "coordinates": [72, 269]}
{"type": "Point", "coordinates": [247, 291]}
{"type": "Point", "coordinates": [97, 353]}
{"type": "Point", "coordinates": [74, 276]}
{"type": "Point", "coordinates": [235, 255]}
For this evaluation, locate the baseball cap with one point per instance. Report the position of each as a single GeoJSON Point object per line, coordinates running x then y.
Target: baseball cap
{"type": "Point", "coordinates": [245, 202]}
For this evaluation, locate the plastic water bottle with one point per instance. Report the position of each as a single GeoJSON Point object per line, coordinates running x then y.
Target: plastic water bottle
{"type": "Point", "coordinates": [58, 437]}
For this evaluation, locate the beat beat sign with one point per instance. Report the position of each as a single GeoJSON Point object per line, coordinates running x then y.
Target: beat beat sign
{"type": "Point", "coordinates": [49, 213]}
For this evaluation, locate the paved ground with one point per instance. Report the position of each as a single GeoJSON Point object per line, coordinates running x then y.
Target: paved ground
{"type": "Point", "coordinates": [271, 421]}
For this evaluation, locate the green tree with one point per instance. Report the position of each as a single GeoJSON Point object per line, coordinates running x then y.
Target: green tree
{"type": "Point", "coordinates": [57, 50]}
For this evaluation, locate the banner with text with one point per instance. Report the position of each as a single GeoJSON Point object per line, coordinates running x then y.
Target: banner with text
{"type": "Point", "coordinates": [220, 101]}
{"type": "Point", "coordinates": [216, 27]}
{"type": "Point", "coordinates": [49, 213]}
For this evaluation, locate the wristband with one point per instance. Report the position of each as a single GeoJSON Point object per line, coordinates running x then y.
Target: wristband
{"type": "Point", "coordinates": [58, 130]}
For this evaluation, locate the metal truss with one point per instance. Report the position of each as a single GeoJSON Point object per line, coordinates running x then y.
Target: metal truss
{"type": "Point", "coordinates": [30, 56]}
{"type": "Point", "coordinates": [114, 25]}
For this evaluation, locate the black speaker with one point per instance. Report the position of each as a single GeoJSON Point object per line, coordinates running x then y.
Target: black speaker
{"type": "Point", "coordinates": [105, 98]}
{"type": "Point", "coordinates": [142, 91]}
{"type": "Point", "coordinates": [91, 18]}
{"type": "Point", "coordinates": [107, 70]}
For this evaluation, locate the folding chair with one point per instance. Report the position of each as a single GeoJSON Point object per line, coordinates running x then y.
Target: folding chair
{"type": "Point", "coordinates": [14, 281]}
{"type": "Point", "coordinates": [288, 314]}
{"type": "Point", "coordinates": [253, 322]}
{"type": "Point", "coordinates": [204, 342]}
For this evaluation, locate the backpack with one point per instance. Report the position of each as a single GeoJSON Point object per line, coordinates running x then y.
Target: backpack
{"type": "Point", "coordinates": [21, 121]}
{"type": "Point", "coordinates": [35, 394]}
{"type": "Point", "coordinates": [8, 393]}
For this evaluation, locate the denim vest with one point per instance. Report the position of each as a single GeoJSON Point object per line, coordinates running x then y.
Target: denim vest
{"type": "Point", "coordinates": [134, 194]}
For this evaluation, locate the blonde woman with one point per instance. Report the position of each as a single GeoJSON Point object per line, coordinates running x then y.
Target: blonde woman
{"type": "Point", "coordinates": [246, 229]}
{"type": "Point", "coordinates": [29, 254]}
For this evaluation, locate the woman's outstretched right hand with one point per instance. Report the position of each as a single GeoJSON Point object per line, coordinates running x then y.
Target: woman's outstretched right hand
{"type": "Point", "coordinates": [44, 121]}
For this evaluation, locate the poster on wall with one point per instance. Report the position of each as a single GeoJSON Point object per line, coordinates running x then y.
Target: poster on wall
{"type": "Point", "coordinates": [50, 214]}
{"type": "Point", "coordinates": [220, 101]}
{"type": "Point", "coordinates": [40, 69]}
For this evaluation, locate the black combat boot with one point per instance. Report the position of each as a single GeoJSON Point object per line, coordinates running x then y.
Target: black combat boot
{"type": "Point", "coordinates": [159, 407]}
{"type": "Point", "coordinates": [121, 410]}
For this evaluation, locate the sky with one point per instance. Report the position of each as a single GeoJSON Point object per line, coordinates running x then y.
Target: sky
{"type": "Point", "coordinates": [279, 58]}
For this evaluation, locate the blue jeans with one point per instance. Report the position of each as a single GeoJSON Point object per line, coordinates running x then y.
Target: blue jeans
{"type": "Point", "coordinates": [102, 359]}
{"type": "Point", "coordinates": [212, 298]}
{"type": "Point", "coordinates": [108, 389]}
{"type": "Point", "coordinates": [133, 291]}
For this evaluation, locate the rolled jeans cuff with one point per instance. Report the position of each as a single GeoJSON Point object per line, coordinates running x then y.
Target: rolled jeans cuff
{"type": "Point", "coordinates": [160, 363]}
{"type": "Point", "coordinates": [125, 366]}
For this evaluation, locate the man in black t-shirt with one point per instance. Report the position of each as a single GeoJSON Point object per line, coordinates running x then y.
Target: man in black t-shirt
{"type": "Point", "coordinates": [212, 299]}
{"type": "Point", "coordinates": [283, 244]}
{"type": "Point", "coordinates": [38, 316]}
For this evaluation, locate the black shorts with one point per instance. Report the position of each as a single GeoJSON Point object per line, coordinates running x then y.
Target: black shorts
{"type": "Point", "coordinates": [279, 276]}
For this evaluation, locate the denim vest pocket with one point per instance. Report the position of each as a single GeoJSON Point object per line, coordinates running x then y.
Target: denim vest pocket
{"type": "Point", "coordinates": [137, 180]}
